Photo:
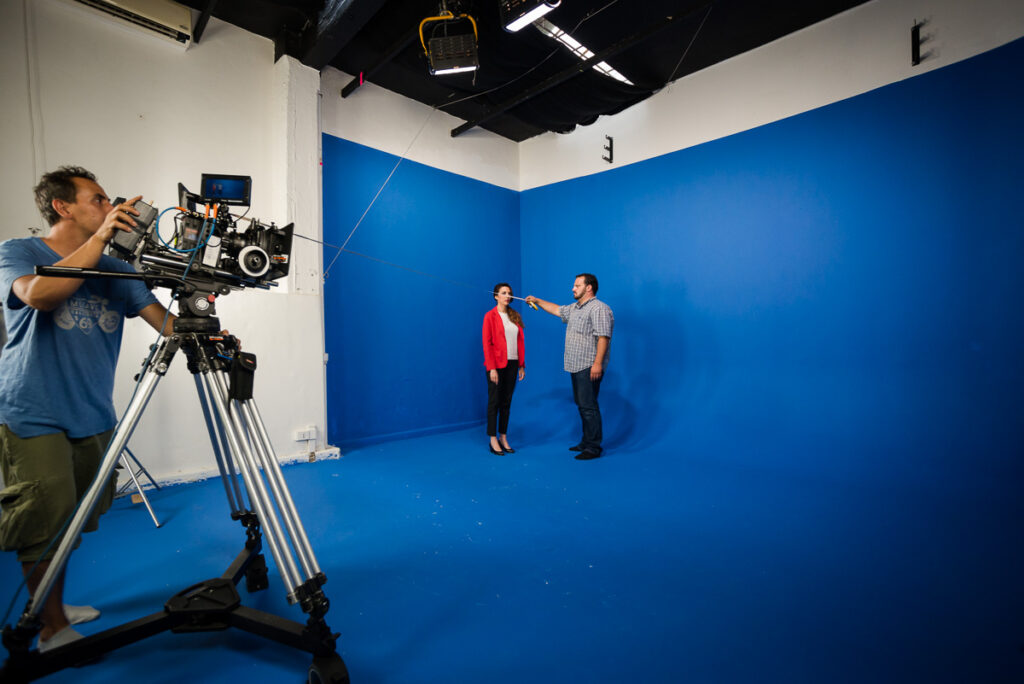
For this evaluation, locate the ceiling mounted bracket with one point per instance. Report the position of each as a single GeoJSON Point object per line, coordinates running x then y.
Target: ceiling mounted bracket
{"type": "Point", "coordinates": [916, 41]}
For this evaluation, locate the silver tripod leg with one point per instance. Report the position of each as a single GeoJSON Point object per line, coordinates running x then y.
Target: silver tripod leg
{"type": "Point", "coordinates": [152, 375]}
{"type": "Point", "coordinates": [239, 442]}
{"type": "Point", "coordinates": [267, 490]}
{"type": "Point", "coordinates": [277, 484]}
{"type": "Point", "coordinates": [221, 449]}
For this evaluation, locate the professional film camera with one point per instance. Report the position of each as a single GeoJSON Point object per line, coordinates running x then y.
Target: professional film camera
{"type": "Point", "coordinates": [209, 253]}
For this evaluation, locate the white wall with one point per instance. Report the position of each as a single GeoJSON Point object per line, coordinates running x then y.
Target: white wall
{"type": "Point", "coordinates": [859, 50]}
{"type": "Point", "coordinates": [380, 119]}
{"type": "Point", "coordinates": [143, 115]}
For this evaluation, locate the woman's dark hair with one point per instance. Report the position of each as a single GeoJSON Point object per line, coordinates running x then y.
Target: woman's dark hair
{"type": "Point", "coordinates": [60, 185]}
{"type": "Point", "coordinates": [513, 315]}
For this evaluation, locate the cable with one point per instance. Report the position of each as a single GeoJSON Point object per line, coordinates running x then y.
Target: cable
{"type": "Point", "coordinates": [327, 271]}
{"type": "Point", "coordinates": [402, 158]}
{"type": "Point", "coordinates": [687, 50]}
{"type": "Point", "coordinates": [476, 288]}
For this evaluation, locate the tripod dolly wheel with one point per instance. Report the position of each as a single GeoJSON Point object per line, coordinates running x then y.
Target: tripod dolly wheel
{"type": "Point", "coordinates": [328, 670]}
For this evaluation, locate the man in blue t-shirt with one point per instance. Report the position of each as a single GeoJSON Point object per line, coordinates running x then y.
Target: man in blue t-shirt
{"type": "Point", "coordinates": [57, 375]}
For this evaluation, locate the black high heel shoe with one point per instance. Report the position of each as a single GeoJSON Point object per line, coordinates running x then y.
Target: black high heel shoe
{"type": "Point", "coordinates": [508, 450]}
{"type": "Point", "coordinates": [496, 453]}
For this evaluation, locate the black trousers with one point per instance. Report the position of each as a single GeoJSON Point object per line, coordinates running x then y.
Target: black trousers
{"type": "Point", "coordinates": [499, 398]}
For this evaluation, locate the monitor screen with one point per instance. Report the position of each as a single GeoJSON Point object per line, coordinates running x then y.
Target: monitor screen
{"type": "Point", "coordinates": [222, 189]}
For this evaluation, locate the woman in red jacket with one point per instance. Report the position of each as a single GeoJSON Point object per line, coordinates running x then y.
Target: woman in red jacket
{"type": "Point", "coordinates": [504, 359]}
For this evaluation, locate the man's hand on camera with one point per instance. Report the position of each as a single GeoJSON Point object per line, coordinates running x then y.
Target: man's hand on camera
{"type": "Point", "coordinates": [119, 218]}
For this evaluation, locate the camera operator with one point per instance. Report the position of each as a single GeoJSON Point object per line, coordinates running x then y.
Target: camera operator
{"type": "Point", "coordinates": [57, 376]}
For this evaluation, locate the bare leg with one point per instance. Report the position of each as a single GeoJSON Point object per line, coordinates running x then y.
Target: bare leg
{"type": "Point", "coordinates": [52, 614]}
{"type": "Point", "coordinates": [504, 441]}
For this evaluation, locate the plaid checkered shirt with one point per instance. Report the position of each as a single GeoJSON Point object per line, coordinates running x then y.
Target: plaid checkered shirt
{"type": "Point", "coordinates": [584, 324]}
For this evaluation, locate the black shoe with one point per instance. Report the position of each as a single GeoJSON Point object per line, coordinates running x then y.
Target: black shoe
{"type": "Point", "coordinates": [586, 455]}
{"type": "Point", "coordinates": [578, 447]}
{"type": "Point", "coordinates": [496, 453]}
{"type": "Point", "coordinates": [507, 450]}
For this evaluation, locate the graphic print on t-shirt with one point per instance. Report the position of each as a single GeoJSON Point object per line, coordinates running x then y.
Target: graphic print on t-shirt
{"type": "Point", "coordinates": [85, 313]}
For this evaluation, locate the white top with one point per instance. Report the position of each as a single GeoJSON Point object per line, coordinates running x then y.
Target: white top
{"type": "Point", "coordinates": [511, 337]}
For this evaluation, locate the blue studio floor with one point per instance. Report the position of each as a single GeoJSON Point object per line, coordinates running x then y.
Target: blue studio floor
{"type": "Point", "coordinates": [654, 564]}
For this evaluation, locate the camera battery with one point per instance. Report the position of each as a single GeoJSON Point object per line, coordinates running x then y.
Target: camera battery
{"type": "Point", "coordinates": [124, 242]}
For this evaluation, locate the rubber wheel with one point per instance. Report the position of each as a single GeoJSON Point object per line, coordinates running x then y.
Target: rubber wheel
{"type": "Point", "coordinates": [328, 670]}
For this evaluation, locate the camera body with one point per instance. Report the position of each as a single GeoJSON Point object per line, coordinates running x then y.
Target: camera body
{"type": "Point", "coordinates": [209, 253]}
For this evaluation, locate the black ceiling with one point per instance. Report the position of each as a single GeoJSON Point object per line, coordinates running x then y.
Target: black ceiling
{"type": "Point", "coordinates": [527, 83]}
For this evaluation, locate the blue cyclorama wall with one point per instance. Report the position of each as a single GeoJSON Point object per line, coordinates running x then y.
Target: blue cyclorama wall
{"type": "Point", "coordinates": [836, 292]}
{"type": "Point", "coordinates": [404, 348]}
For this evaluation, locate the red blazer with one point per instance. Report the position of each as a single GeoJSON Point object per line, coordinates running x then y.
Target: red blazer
{"type": "Point", "coordinates": [495, 350]}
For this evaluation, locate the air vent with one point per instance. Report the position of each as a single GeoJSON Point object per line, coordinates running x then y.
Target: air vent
{"type": "Point", "coordinates": [163, 18]}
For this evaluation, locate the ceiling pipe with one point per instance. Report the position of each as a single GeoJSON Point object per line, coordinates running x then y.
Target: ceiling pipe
{"type": "Point", "coordinates": [575, 70]}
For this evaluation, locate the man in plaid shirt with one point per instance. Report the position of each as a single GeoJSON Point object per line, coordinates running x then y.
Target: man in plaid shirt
{"type": "Point", "coordinates": [588, 333]}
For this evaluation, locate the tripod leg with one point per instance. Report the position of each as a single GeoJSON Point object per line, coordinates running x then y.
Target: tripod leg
{"type": "Point", "coordinates": [280, 489]}
{"type": "Point", "coordinates": [152, 375]}
{"type": "Point", "coordinates": [228, 476]}
{"type": "Point", "coordinates": [217, 387]}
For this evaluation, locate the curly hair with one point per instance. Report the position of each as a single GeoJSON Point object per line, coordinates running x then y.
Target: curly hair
{"type": "Point", "coordinates": [60, 185]}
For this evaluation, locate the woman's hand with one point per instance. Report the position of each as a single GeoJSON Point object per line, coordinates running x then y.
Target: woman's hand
{"type": "Point", "coordinates": [522, 372]}
{"type": "Point", "coordinates": [494, 376]}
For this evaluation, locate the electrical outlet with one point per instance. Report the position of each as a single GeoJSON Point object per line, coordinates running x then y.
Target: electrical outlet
{"type": "Point", "coordinates": [306, 433]}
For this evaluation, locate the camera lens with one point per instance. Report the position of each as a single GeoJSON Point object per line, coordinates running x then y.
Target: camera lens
{"type": "Point", "coordinates": [253, 261]}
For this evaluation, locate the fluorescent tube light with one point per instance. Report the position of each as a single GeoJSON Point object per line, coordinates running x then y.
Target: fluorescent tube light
{"type": "Point", "coordinates": [454, 70]}
{"type": "Point", "coordinates": [578, 49]}
{"type": "Point", "coordinates": [516, 13]}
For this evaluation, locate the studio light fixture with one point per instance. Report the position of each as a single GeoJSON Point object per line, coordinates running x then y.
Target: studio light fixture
{"type": "Point", "coordinates": [515, 14]}
{"type": "Point", "coordinates": [450, 53]}
{"type": "Point", "coordinates": [578, 49]}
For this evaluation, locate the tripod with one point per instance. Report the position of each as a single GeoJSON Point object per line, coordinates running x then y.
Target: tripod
{"type": "Point", "coordinates": [224, 378]}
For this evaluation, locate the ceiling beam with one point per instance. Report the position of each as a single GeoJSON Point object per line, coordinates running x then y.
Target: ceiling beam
{"type": "Point", "coordinates": [575, 70]}
{"type": "Point", "coordinates": [392, 52]}
{"type": "Point", "coordinates": [204, 18]}
{"type": "Point", "coordinates": [338, 23]}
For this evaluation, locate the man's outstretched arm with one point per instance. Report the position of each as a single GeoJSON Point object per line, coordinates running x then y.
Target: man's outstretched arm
{"type": "Point", "coordinates": [550, 307]}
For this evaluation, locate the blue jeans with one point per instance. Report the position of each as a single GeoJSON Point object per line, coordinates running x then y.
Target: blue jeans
{"type": "Point", "coordinates": [584, 391]}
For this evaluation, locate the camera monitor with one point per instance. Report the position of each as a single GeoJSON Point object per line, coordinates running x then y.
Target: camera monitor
{"type": "Point", "coordinates": [221, 189]}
